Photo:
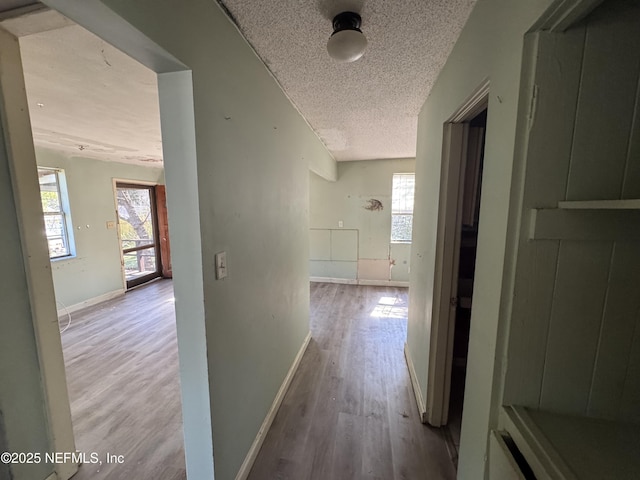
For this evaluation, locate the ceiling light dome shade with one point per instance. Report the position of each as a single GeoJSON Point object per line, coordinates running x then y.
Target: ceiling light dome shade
{"type": "Point", "coordinates": [347, 43]}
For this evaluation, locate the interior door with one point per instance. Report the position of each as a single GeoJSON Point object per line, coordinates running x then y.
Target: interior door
{"type": "Point", "coordinates": [138, 227]}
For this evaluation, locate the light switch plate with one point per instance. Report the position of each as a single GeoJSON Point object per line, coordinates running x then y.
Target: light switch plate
{"type": "Point", "coordinates": [221, 265]}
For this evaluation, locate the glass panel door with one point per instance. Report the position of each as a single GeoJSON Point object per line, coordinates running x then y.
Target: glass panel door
{"type": "Point", "coordinates": [138, 233]}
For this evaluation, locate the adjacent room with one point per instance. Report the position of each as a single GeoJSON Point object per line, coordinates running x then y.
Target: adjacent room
{"type": "Point", "coordinates": [96, 130]}
{"type": "Point", "coordinates": [320, 240]}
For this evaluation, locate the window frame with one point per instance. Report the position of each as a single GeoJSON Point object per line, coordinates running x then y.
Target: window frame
{"type": "Point", "coordinates": [401, 212]}
{"type": "Point", "coordinates": [64, 213]}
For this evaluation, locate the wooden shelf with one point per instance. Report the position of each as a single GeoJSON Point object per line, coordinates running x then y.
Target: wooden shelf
{"type": "Point", "coordinates": [631, 204]}
{"type": "Point", "coordinates": [586, 222]}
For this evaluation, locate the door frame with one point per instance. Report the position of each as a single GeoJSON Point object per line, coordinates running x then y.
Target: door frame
{"type": "Point", "coordinates": [452, 177]}
{"type": "Point", "coordinates": [119, 183]}
{"type": "Point", "coordinates": [560, 16]}
{"type": "Point", "coordinates": [176, 96]}
{"type": "Point", "coordinates": [35, 252]}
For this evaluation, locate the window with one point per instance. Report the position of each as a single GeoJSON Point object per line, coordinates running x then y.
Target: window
{"type": "Point", "coordinates": [55, 207]}
{"type": "Point", "coordinates": [402, 207]}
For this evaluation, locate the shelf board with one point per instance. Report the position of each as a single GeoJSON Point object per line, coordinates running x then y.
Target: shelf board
{"type": "Point", "coordinates": [584, 224]}
{"type": "Point", "coordinates": [631, 204]}
{"type": "Point", "coordinates": [572, 447]}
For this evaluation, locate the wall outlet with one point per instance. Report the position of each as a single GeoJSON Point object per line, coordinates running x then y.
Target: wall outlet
{"type": "Point", "coordinates": [111, 225]}
{"type": "Point", "coordinates": [221, 265]}
{"type": "Point", "coordinates": [340, 224]}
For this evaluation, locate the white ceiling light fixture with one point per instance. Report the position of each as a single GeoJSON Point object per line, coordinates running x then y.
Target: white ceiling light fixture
{"type": "Point", "coordinates": [347, 43]}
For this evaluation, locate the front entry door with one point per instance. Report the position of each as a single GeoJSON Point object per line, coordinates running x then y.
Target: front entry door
{"type": "Point", "coordinates": [138, 227]}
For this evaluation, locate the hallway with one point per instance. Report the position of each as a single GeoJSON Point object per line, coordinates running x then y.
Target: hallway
{"type": "Point", "coordinates": [350, 411]}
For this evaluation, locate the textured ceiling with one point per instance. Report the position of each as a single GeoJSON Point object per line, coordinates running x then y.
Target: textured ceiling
{"type": "Point", "coordinates": [362, 110]}
{"type": "Point", "coordinates": [88, 99]}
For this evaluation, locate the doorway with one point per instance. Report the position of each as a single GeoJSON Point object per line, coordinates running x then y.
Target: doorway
{"type": "Point", "coordinates": [456, 246]}
{"type": "Point", "coordinates": [138, 231]}
{"type": "Point", "coordinates": [178, 145]}
{"type": "Point", "coordinates": [467, 225]}
{"type": "Point", "coordinates": [118, 351]}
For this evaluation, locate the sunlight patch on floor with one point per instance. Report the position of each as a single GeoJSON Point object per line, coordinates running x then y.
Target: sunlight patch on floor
{"type": "Point", "coordinates": [390, 307]}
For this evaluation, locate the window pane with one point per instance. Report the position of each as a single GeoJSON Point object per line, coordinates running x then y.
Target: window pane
{"type": "Point", "coordinates": [55, 217]}
{"type": "Point", "coordinates": [134, 211]}
{"type": "Point", "coordinates": [57, 247]}
{"type": "Point", "coordinates": [55, 231]}
{"type": "Point", "coordinates": [54, 225]}
{"type": "Point", "coordinates": [128, 243]}
{"type": "Point", "coordinates": [50, 201]}
{"type": "Point", "coordinates": [49, 192]}
{"type": "Point", "coordinates": [139, 263]}
{"type": "Point", "coordinates": [403, 193]}
{"type": "Point", "coordinates": [402, 198]}
{"type": "Point", "coordinates": [401, 226]}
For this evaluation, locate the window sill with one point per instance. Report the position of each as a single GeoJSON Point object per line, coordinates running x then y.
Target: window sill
{"type": "Point", "coordinates": [62, 259]}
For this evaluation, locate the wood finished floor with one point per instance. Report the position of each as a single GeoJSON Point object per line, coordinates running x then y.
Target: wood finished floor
{"type": "Point", "coordinates": [121, 361]}
{"type": "Point", "coordinates": [350, 412]}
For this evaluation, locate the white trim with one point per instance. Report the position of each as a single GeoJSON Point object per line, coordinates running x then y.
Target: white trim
{"type": "Point", "coordinates": [26, 193]}
{"type": "Point", "coordinates": [53, 476]}
{"type": "Point", "coordinates": [90, 302]}
{"type": "Point", "coordinates": [383, 283]}
{"type": "Point", "coordinates": [345, 281]}
{"type": "Point", "coordinates": [473, 105]}
{"type": "Point", "coordinates": [355, 281]}
{"type": "Point", "coordinates": [417, 391]}
{"type": "Point", "coordinates": [454, 159]}
{"type": "Point", "coordinates": [246, 466]}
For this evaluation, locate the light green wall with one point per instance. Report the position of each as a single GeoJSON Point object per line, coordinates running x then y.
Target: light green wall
{"type": "Point", "coordinates": [344, 200]}
{"type": "Point", "coordinates": [95, 269]}
{"type": "Point", "coordinates": [490, 46]}
{"type": "Point", "coordinates": [22, 406]}
{"type": "Point", "coordinates": [254, 152]}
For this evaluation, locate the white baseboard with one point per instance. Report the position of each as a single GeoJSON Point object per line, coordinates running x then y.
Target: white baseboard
{"type": "Point", "coordinates": [417, 391]}
{"type": "Point", "coordinates": [245, 468]}
{"type": "Point", "coordinates": [345, 281]}
{"type": "Point", "coordinates": [383, 283]}
{"type": "Point", "coordinates": [68, 309]}
{"type": "Point", "coordinates": [355, 281]}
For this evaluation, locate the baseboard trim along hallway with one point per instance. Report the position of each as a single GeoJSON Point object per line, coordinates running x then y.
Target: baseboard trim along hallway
{"type": "Point", "coordinates": [415, 385]}
{"type": "Point", "coordinates": [350, 412]}
{"type": "Point", "coordinates": [249, 460]}
{"type": "Point", "coordinates": [361, 281]}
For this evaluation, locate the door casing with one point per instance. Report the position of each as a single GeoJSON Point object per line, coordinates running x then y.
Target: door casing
{"type": "Point", "coordinates": [452, 176]}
